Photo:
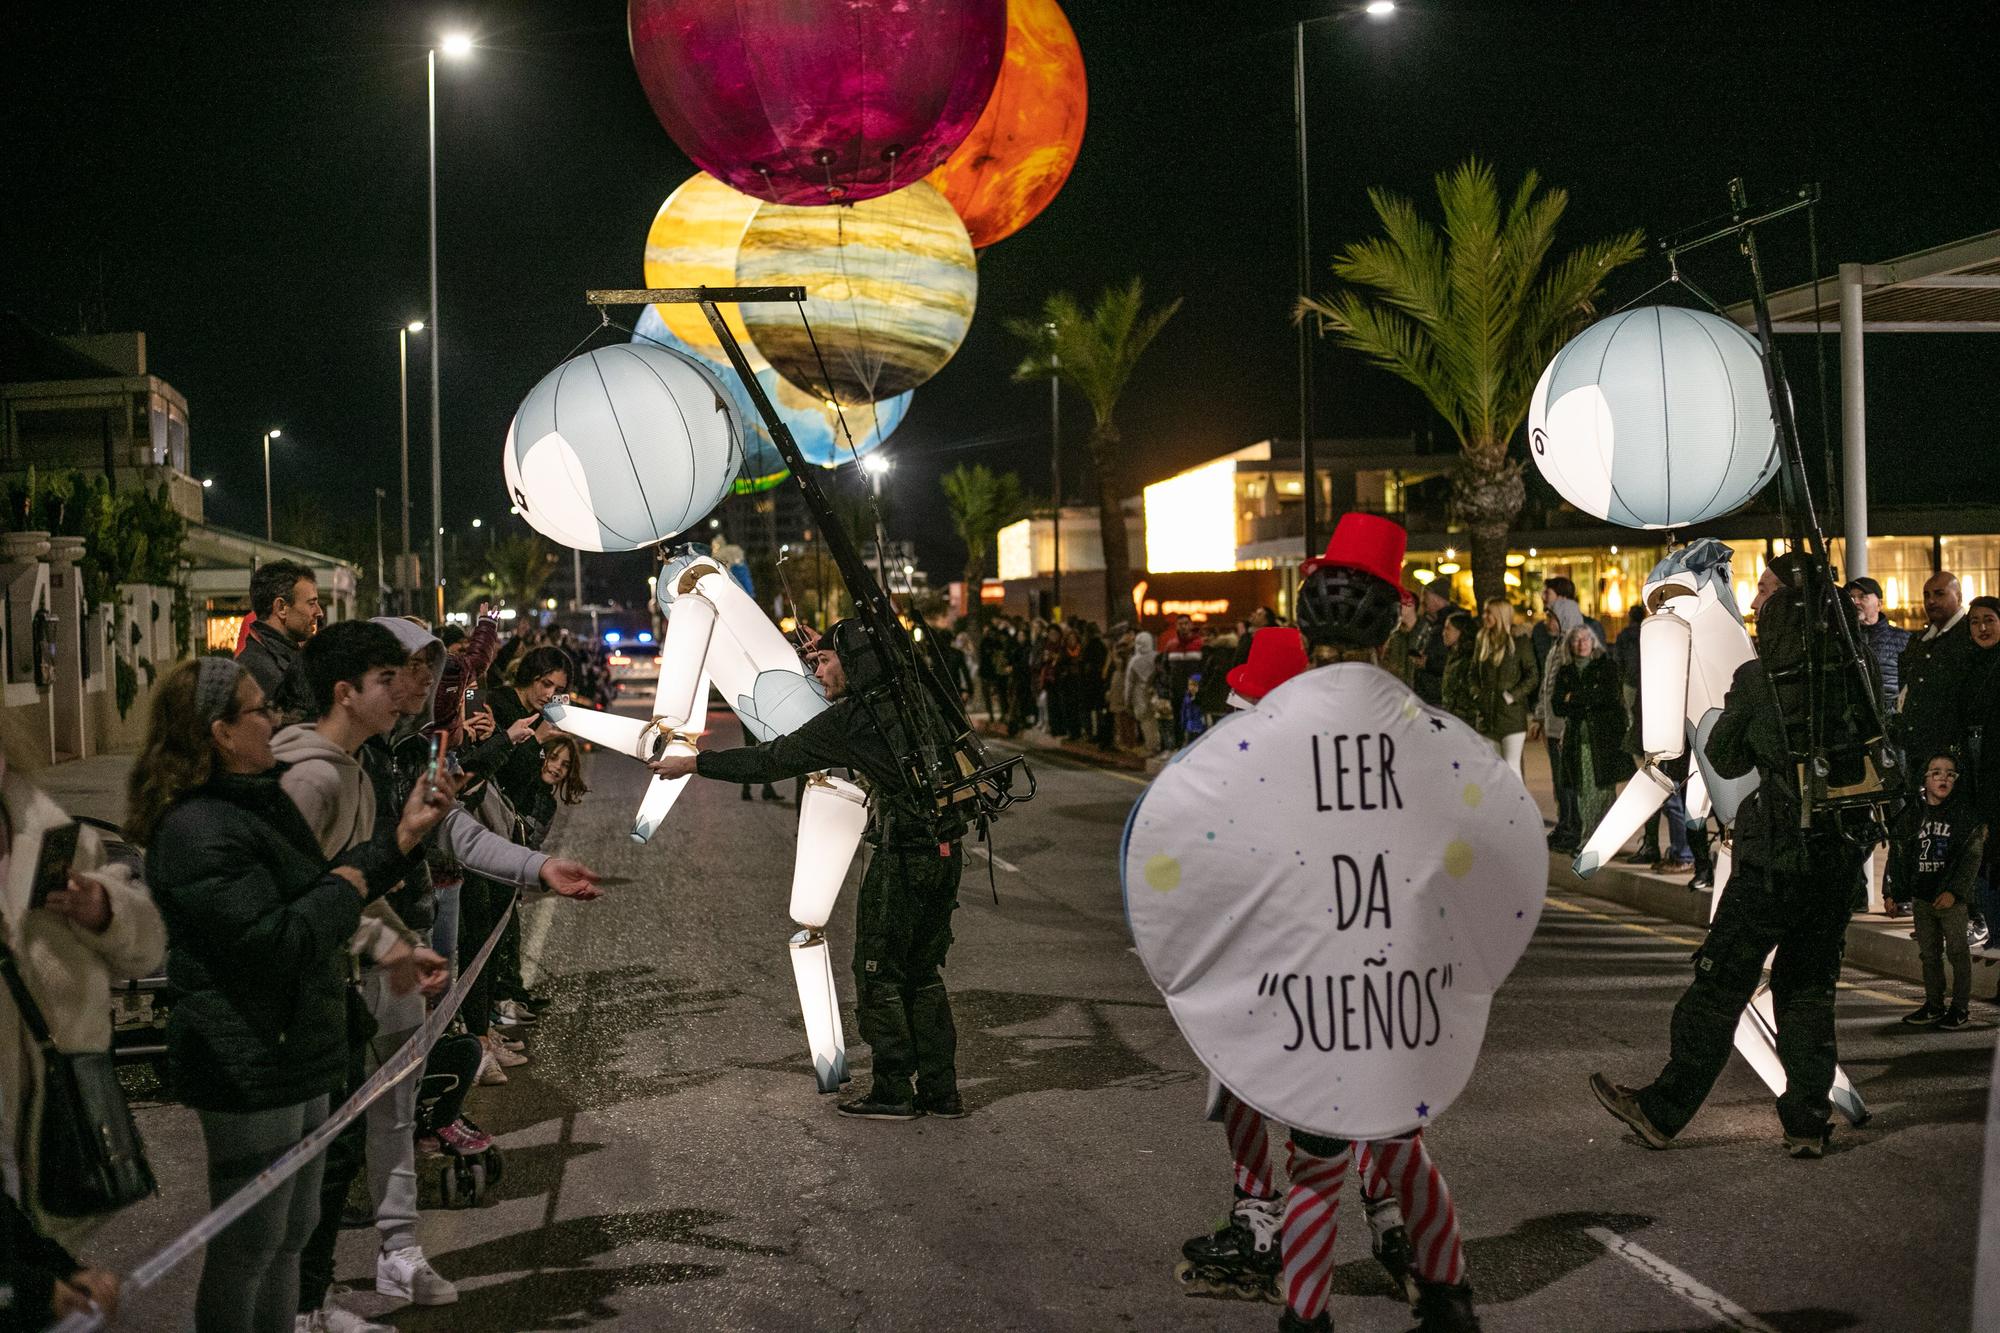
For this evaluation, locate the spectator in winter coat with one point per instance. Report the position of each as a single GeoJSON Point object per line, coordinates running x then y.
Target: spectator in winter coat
{"type": "Point", "coordinates": [1562, 589]}
{"type": "Point", "coordinates": [1568, 833]}
{"type": "Point", "coordinates": [1396, 652]}
{"type": "Point", "coordinates": [1116, 706]}
{"type": "Point", "coordinates": [1459, 692]}
{"type": "Point", "coordinates": [1590, 698]}
{"type": "Point", "coordinates": [284, 597]}
{"type": "Point", "coordinates": [1981, 762]}
{"type": "Point", "coordinates": [99, 928]}
{"type": "Point", "coordinates": [1933, 669]}
{"type": "Point", "coordinates": [1884, 641]}
{"type": "Point", "coordinates": [1934, 855]}
{"type": "Point", "coordinates": [1504, 681]}
{"type": "Point", "coordinates": [460, 671]}
{"type": "Point", "coordinates": [258, 924]}
{"type": "Point", "coordinates": [1427, 655]}
{"type": "Point", "coordinates": [1139, 695]}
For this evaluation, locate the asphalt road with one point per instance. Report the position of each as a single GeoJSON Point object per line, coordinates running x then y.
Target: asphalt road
{"type": "Point", "coordinates": [669, 1165]}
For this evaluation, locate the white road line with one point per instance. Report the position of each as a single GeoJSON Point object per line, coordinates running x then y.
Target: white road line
{"type": "Point", "coordinates": [1727, 1313]}
{"type": "Point", "coordinates": [1002, 862]}
{"type": "Point", "coordinates": [537, 915]}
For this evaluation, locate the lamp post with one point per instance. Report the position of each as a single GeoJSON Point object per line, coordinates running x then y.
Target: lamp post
{"type": "Point", "coordinates": [403, 418]}
{"type": "Point", "coordinates": [269, 436]}
{"type": "Point", "coordinates": [381, 572]}
{"type": "Point", "coordinates": [1308, 472]}
{"type": "Point", "coordinates": [457, 46]}
{"type": "Point", "coordinates": [1055, 469]}
{"type": "Point", "coordinates": [877, 467]}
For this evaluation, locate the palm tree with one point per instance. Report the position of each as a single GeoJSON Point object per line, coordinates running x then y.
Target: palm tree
{"type": "Point", "coordinates": [516, 569]}
{"type": "Point", "coordinates": [1094, 352]}
{"type": "Point", "coordinates": [1471, 316]}
{"type": "Point", "coordinates": [981, 502]}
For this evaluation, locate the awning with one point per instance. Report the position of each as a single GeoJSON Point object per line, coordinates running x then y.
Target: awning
{"type": "Point", "coordinates": [1951, 288]}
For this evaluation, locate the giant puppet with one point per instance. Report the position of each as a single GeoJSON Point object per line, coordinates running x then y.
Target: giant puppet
{"type": "Point", "coordinates": [1659, 417]}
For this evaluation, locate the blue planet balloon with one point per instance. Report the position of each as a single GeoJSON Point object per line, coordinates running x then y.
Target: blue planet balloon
{"type": "Point", "coordinates": [815, 427]}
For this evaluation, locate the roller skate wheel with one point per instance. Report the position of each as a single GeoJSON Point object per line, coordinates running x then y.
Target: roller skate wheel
{"type": "Point", "coordinates": [478, 1181]}
{"type": "Point", "coordinates": [448, 1185]}
{"type": "Point", "coordinates": [495, 1167]}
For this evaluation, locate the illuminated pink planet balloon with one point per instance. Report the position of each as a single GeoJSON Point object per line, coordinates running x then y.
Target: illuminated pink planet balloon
{"type": "Point", "coordinates": [817, 101]}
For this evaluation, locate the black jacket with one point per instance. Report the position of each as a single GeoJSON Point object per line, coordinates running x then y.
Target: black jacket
{"type": "Point", "coordinates": [257, 935]}
{"type": "Point", "coordinates": [394, 764]}
{"type": "Point", "coordinates": [1934, 673]}
{"type": "Point", "coordinates": [272, 660]}
{"type": "Point", "coordinates": [844, 736]}
{"type": "Point", "coordinates": [30, 1266]}
{"type": "Point", "coordinates": [1885, 643]}
{"type": "Point", "coordinates": [1591, 696]}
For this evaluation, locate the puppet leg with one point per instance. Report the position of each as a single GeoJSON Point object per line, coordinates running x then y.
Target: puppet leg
{"type": "Point", "coordinates": [1757, 1043]}
{"type": "Point", "coordinates": [812, 970]}
{"type": "Point", "coordinates": [832, 815]}
{"type": "Point", "coordinates": [1438, 1252]}
{"type": "Point", "coordinates": [1643, 795]}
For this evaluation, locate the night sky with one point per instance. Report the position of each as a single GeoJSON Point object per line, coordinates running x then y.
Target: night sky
{"type": "Point", "coordinates": [246, 184]}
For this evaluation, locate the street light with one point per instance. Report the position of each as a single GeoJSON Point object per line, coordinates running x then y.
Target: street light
{"type": "Point", "coordinates": [269, 436]}
{"type": "Point", "coordinates": [1055, 469]}
{"type": "Point", "coordinates": [403, 335]}
{"type": "Point", "coordinates": [1308, 472]}
{"type": "Point", "coordinates": [207, 482]}
{"type": "Point", "coordinates": [457, 46]}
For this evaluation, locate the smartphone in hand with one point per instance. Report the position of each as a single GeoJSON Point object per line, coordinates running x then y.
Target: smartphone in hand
{"type": "Point", "coordinates": [52, 865]}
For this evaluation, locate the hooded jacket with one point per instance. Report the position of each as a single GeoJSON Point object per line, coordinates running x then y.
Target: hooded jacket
{"type": "Point", "coordinates": [400, 759]}
{"type": "Point", "coordinates": [1138, 683]}
{"type": "Point", "coordinates": [341, 802]}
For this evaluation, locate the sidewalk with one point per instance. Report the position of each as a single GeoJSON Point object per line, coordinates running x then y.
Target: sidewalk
{"type": "Point", "coordinates": [92, 788]}
{"type": "Point", "coordinates": [1875, 942]}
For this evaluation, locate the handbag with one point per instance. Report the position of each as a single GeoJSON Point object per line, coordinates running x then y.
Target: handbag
{"type": "Point", "coordinates": [91, 1158]}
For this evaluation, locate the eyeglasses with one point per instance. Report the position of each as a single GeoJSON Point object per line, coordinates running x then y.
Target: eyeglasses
{"type": "Point", "coordinates": [270, 711]}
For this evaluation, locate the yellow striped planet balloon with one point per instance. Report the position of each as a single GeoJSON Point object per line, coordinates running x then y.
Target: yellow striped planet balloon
{"type": "Point", "coordinates": [890, 285]}
{"type": "Point", "coordinates": [692, 243]}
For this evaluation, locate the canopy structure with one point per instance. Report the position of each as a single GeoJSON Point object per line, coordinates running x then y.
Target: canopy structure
{"type": "Point", "coordinates": [1951, 288]}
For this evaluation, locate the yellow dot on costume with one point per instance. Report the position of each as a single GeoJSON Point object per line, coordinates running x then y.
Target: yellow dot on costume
{"type": "Point", "coordinates": [1163, 872]}
{"type": "Point", "coordinates": [1473, 795]}
{"type": "Point", "coordinates": [1457, 857]}
{"type": "Point", "coordinates": [1409, 707]}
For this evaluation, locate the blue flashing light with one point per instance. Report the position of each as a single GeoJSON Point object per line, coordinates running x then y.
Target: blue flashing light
{"type": "Point", "coordinates": [645, 636]}
{"type": "Point", "coordinates": [613, 636]}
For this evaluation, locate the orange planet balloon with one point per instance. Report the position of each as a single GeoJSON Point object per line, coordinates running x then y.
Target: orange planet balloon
{"type": "Point", "coordinates": [1021, 150]}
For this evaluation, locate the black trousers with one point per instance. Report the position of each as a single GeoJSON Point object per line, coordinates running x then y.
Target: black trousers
{"type": "Point", "coordinates": [345, 1157]}
{"type": "Point", "coordinates": [1804, 917]}
{"type": "Point", "coordinates": [902, 930]}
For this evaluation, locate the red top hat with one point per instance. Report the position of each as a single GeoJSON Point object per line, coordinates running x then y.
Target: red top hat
{"type": "Point", "coordinates": [1277, 653]}
{"type": "Point", "coordinates": [1367, 542]}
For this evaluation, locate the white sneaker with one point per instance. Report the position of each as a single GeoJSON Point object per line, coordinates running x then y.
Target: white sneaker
{"type": "Point", "coordinates": [490, 1072]}
{"type": "Point", "coordinates": [515, 1011]}
{"type": "Point", "coordinates": [407, 1275]}
{"type": "Point", "coordinates": [505, 1058]}
{"type": "Point", "coordinates": [331, 1318]}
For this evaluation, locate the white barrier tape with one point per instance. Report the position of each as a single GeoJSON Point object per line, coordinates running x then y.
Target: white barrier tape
{"type": "Point", "coordinates": [407, 1059]}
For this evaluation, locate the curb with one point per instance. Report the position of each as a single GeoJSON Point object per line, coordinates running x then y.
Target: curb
{"type": "Point", "coordinates": [1077, 750]}
{"type": "Point", "coordinates": [1874, 944]}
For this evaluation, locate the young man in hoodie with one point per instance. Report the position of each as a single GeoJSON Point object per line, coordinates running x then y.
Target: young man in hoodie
{"type": "Point", "coordinates": [352, 669]}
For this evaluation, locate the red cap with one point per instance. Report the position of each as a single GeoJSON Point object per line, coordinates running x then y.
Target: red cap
{"type": "Point", "coordinates": [1367, 542]}
{"type": "Point", "coordinates": [1277, 653]}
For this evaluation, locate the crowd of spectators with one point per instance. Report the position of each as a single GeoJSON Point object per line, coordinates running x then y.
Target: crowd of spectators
{"type": "Point", "coordinates": [323, 830]}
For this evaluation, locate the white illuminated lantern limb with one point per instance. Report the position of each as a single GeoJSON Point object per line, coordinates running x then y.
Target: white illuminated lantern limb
{"type": "Point", "coordinates": [661, 793]}
{"type": "Point", "coordinates": [812, 971]}
{"type": "Point", "coordinates": [832, 816]}
{"type": "Point", "coordinates": [683, 681]}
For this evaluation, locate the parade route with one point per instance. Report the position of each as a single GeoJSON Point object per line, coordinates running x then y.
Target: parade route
{"type": "Point", "coordinates": [668, 1165]}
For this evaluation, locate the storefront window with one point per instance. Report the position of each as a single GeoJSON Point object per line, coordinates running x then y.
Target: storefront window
{"type": "Point", "coordinates": [1976, 561]}
{"type": "Point", "coordinates": [1901, 564]}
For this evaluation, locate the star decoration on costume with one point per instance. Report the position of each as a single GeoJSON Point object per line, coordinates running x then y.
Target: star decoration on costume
{"type": "Point", "coordinates": [1437, 724]}
{"type": "Point", "coordinates": [1423, 1110]}
{"type": "Point", "coordinates": [1243, 745]}
{"type": "Point", "coordinates": [1454, 765]}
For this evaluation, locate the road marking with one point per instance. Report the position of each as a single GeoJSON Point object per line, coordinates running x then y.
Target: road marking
{"type": "Point", "coordinates": [1718, 1307]}
{"type": "Point", "coordinates": [1624, 924]}
{"type": "Point", "coordinates": [1000, 861]}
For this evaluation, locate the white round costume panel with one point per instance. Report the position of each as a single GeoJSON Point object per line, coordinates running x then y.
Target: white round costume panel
{"type": "Point", "coordinates": [622, 447]}
{"type": "Point", "coordinates": [1655, 417]}
{"type": "Point", "coordinates": [1328, 889]}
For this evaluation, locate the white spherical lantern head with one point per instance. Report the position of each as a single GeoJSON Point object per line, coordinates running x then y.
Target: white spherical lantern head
{"type": "Point", "coordinates": [1656, 417]}
{"type": "Point", "coordinates": [622, 447]}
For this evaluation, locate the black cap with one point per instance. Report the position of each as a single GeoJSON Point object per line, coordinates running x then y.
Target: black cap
{"type": "Point", "coordinates": [1865, 584]}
